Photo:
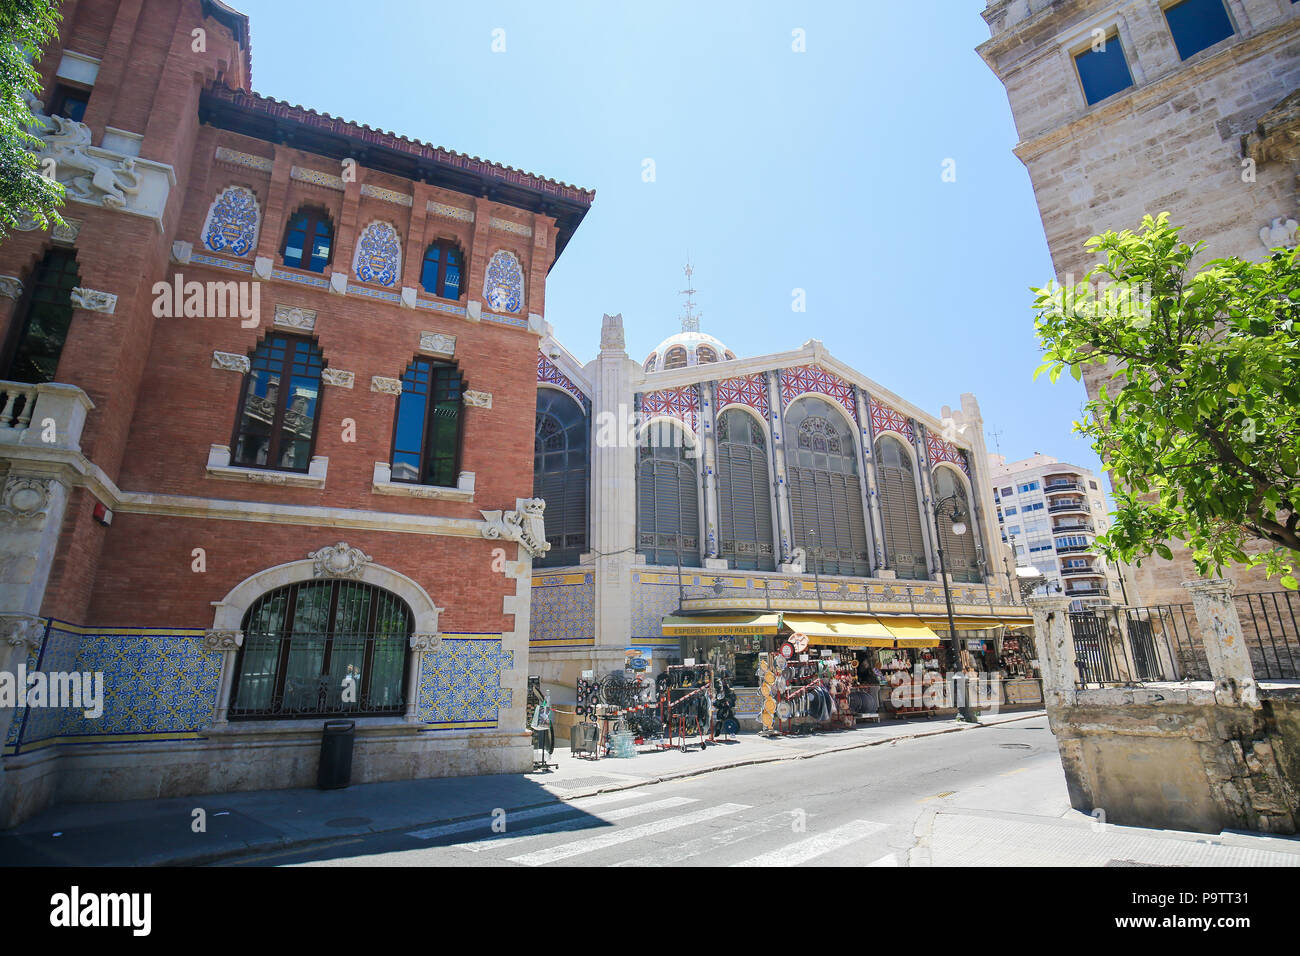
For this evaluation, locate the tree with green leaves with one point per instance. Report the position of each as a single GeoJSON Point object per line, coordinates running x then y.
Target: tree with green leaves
{"type": "Point", "coordinates": [25, 27]}
{"type": "Point", "coordinates": [1197, 412]}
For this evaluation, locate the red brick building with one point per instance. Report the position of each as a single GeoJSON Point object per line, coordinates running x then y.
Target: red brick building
{"type": "Point", "coordinates": [266, 427]}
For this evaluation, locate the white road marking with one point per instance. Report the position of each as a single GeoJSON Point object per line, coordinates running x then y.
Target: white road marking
{"type": "Point", "coordinates": [889, 859]}
{"type": "Point", "coordinates": [805, 850]}
{"type": "Point", "coordinates": [669, 856]}
{"type": "Point", "coordinates": [625, 835]}
{"type": "Point", "coordinates": [570, 824]}
{"type": "Point", "coordinates": [485, 823]}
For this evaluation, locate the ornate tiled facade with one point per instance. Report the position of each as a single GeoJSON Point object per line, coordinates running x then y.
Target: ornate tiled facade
{"type": "Point", "coordinates": [810, 378]}
{"type": "Point", "coordinates": [941, 451]}
{"type": "Point", "coordinates": [549, 373]}
{"type": "Point", "coordinates": [232, 222]}
{"type": "Point", "coordinates": [503, 285]}
{"type": "Point", "coordinates": [460, 682]}
{"type": "Point", "coordinates": [379, 255]}
{"type": "Point", "coordinates": [748, 390]}
{"type": "Point", "coordinates": [682, 404]}
{"type": "Point", "coordinates": [563, 610]}
{"type": "Point", "coordinates": [886, 419]}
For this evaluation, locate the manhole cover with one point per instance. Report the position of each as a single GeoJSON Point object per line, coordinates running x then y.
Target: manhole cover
{"type": "Point", "coordinates": [583, 782]}
{"type": "Point", "coordinates": [348, 822]}
{"type": "Point", "coordinates": [1015, 746]}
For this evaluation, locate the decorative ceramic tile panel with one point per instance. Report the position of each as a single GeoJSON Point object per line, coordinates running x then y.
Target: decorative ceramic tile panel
{"type": "Point", "coordinates": [460, 682]}
{"type": "Point", "coordinates": [449, 212]}
{"type": "Point", "coordinates": [379, 255]}
{"type": "Point", "coordinates": [507, 225]}
{"type": "Point", "coordinates": [884, 418]}
{"type": "Point", "coordinates": [652, 601]}
{"type": "Point", "coordinates": [563, 610]}
{"type": "Point", "coordinates": [811, 378]}
{"type": "Point", "coordinates": [207, 260]}
{"type": "Point", "coordinates": [247, 160]}
{"type": "Point", "coordinates": [232, 222]}
{"type": "Point", "coordinates": [682, 404]}
{"type": "Point", "coordinates": [386, 195]}
{"type": "Point", "coordinates": [749, 390]}
{"type": "Point", "coordinates": [941, 450]}
{"type": "Point", "coordinates": [549, 373]}
{"type": "Point", "coordinates": [317, 178]}
{"type": "Point", "coordinates": [503, 286]}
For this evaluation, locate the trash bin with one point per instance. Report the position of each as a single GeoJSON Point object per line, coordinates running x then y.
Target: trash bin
{"type": "Point", "coordinates": [336, 754]}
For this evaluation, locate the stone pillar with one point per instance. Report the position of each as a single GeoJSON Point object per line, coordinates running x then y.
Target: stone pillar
{"type": "Point", "coordinates": [226, 643]}
{"type": "Point", "coordinates": [925, 495]}
{"type": "Point", "coordinates": [779, 481]}
{"type": "Point", "coordinates": [1225, 645]}
{"type": "Point", "coordinates": [11, 290]}
{"type": "Point", "coordinates": [1055, 644]}
{"type": "Point", "coordinates": [613, 490]}
{"type": "Point", "coordinates": [870, 482]}
{"type": "Point", "coordinates": [709, 439]}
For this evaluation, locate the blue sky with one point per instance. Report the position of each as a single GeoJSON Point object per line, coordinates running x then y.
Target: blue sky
{"type": "Point", "coordinates": [775, 170]}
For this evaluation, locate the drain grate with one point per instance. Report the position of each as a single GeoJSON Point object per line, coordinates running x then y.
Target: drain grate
{"type": "Point", "coordinates": [583, 782]}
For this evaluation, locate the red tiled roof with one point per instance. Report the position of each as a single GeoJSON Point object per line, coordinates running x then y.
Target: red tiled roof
{"type": "Point", "coordinates": [279, 109]}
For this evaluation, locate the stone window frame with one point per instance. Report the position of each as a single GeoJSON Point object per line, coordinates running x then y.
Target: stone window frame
{"type": "Point", "coordinates": [1237, 19]}
{"type": "Point", "coordinates": [1079, 39]}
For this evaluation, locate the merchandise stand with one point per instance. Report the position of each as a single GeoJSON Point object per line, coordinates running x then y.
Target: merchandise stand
{"type": "Point", "coordinates": [685, 684]}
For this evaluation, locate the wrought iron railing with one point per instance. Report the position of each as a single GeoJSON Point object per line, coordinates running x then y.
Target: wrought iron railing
{"type": "Point", "coordinates": [1119, 645]}
{"type": "Point", "coordinates": [1269, 624]}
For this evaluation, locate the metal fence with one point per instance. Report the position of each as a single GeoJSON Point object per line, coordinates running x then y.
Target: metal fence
{"type": "Point", "coordinates": [1138, 644]}
{"type": "Point", "coordinates": [1269, 624]}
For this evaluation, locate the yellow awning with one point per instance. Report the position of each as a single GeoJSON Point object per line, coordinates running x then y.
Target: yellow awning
{"type": "Point", "coordinates": [910, 632]}
{"type": "Point", "coordinates": [979, 623]}
{"type": "Point", "coordinates": [716, 625]}
{"type": "Point", "coordinates": [828, 631]}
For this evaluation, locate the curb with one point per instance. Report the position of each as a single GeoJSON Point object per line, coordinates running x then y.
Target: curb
{"type": "Point", "coordinates": [287, 843]}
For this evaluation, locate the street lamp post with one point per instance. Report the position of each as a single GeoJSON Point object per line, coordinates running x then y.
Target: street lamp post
{"type": "Point", "coordinates": [950, 508]}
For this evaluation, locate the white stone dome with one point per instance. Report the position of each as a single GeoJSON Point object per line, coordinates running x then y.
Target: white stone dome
{"type": "Point", "coordinates": [683, 349]}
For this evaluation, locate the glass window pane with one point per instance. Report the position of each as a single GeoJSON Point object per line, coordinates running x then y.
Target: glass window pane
{"type": "Point", "coordinates": [1197, 24]}
{"type": "Point", "coordinates": [1103, 72]}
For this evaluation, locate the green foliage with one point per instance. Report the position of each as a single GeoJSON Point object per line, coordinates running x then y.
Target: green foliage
{"type": "Point", "coordinates": [25, 27]}
{"type": "Point", "coordinates": [1197, 412]}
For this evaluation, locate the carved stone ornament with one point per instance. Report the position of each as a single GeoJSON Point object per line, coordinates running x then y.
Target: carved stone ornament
{"type": "Point", "coordinates": [21, 630]}
{"type": "Point", "coordinates": [525, 526]}
{"type": "Point", "coordinates": [1279, 233]}
{"type": "Point", "coordinates": [24, 501]}
{"type": "Point", "coordinates": [611, 332]}
{"type": "Point", "coordinates": [337, 377]}
{"type": "Point", "coordinates": [93, 300]}
{"type": "Point", "coordinates": [223, 640]}
{"type": "Point", "coordinates": [439, 343]}
{"type": "Point", "coordinates": [1276, 136]}
{"type": "Point", "coordinates": [66, 235]}
{"type": "Point", "coordinates": [339, 561]}
{"type": "Point", "coordinates": [230, 361]}
{"type": "Point", "coordinates": [799, 559]}
{"type": "Point", "coordinates": [387, 386]}
{"type": "Point", "coordinates": [477, 399]}
{"type": "Point", "coordinates": [292, 317]}
{"type": "Point", "coordinates": [11, 287]}
{"type": "Point", "coordinates": [425, 642]}
{"type": "Point", "coordinates": [87, 177]}
{"type": "Point", "coordinates": [182, 251]}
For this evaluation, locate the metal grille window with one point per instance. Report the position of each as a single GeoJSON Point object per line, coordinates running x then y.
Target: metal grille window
{"type": "Point", "coordinates": [280, 405]}
{"type": "Point", "coordinates": [667, 499]}
{"type": "Point", "coordinates": [900, 511]}
{"type": "Point", "coordinates": [309, 240]}
{"type": "Point", "coordinates": [322, 648]}
{"type": "Point", "coordinates": [427, 433]}
{"type": "Point", "coordinates": [41, 325]}
{"type": "Point", "coordinates": [675, 357]}
{"type": "Point", "coordinates": [744, 502]}
{"type": "Point", "coordinates": [959, 552]}
{"type": "Point", "coordinates": [440, 272]}
{"type": "Point", "coordinates": [560, 463]}
{"type": "Point", "coordinates": [825, 495]}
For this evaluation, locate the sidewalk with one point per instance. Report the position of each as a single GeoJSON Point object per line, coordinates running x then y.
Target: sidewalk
{"type": "Point", "coordinates": [158, 832]}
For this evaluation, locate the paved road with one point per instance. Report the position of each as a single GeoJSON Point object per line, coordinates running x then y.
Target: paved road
{"type": "Point", "coordinates": [856, 808]}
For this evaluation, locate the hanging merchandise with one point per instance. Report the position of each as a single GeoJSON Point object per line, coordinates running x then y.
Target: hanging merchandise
{"type": "Point", "coordinates": [543, 728]}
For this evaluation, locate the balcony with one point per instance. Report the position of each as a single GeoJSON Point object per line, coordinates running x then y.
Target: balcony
{"type": "Point", "coordinates": [1054, 487]}
{"type": "Point", "coordinates": [1058, 507]}
{"type": "Point", "coordinates": [1102, 591]}
{"type": "Point", "coordinates": [47, 417]}
{"type": "Point", "coordinates": [1091, 570]}
{"type": "Point", "coordinates": [1076, 526]}
{"type": "Point", "coordinates": [1072, 548]}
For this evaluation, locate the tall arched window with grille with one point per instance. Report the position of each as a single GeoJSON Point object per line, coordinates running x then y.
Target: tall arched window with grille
{"type": "Point", "coordinates": [41, 322]}
{"type": "Point", "coordinates": [560, 463]}
{"type": "Point", "coordinates": [900, 510]}
{"type": "Point", "coordinates": [321, 648]}
{"type": "Point", "coordinates": [667, 497]}
{"type": "Point", "coordinates": [959, 552]}
{"type": "Point", "coordinates": [825, 494]}
{"type": "Point", "coordinates": [744, 502]}
{"type": "Point", "coordinates": [280, 405]}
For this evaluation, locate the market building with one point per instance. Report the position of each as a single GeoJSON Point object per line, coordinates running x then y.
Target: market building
{"type": "Point", "coordinates": [265, 410]}
{"type": "Point", "coordinates": [703, 504]}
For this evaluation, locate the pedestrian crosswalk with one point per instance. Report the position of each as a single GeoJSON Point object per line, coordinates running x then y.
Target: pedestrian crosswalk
{"type": "Point", "coordinates": [604, 830]}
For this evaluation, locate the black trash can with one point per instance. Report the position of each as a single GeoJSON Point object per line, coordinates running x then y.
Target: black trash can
{"type": "Point", "coordinates": [336, 754]}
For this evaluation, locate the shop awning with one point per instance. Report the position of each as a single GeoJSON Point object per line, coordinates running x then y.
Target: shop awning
{"type": "Point", "coordinates": [979, 623]}
{"type": "Point", "coordinates": [714, 625]}
{"type": "Point", "coordinates": [830, 631]}
{"type": "Point", "coordinates": [910, 632]}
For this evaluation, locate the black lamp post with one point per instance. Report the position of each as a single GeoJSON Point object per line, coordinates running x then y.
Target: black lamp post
{"type": "Point", "coordinates": [950, 509]}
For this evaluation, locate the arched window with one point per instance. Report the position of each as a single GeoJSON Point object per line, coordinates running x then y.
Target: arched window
{"type": "Point", "coordinates": [744, 505]}
{"type": "Point", "coordinates": [730, 356]}
{"type": "Point", "coordinates": [825, 494]}
{"type": "Point", "coordinates": [560, 475]}
{"type": "Point", "coordinates": [40, 324]}
{"type": "Point", "coordinates": [900, 511]}
{"type": "Point", "coordinates": [309, 240]}
{"type": "Point", "coordinates": [280, 405]}
{"type": "Point", "coordinates": [959, 554]}
{"type": "Point", "coordinates": [705, 354]}
{"type": "Point", "coordinates": [650, 362]}
{"type": "Point", "coordinates": [322, 648]}
{"type": "Point", "coordinates": [667, 497]}
{"type": "Point", "coordinates": [440, 274]}
{"type": "Point", "coordinates": [675, 357]}
{"type": "Point", "coordinates": [426, 436]}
